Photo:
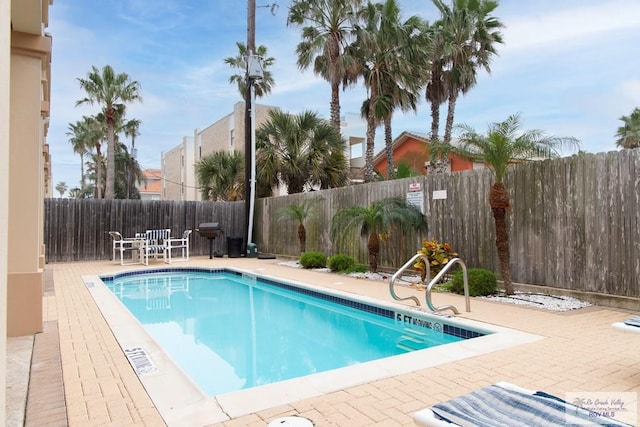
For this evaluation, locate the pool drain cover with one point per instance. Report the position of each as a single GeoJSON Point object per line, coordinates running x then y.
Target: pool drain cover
{"type": "Point", "coordinates": [291, 422]}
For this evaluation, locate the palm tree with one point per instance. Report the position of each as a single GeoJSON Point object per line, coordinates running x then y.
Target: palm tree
{"type": "Point", "coordinates": [96, 167]}
{"type": "Point", "coordinates": [299, 213]}
{"type": "Point", "coordinates": [503, 144]}
{"type": "Point", "coordinates": [404, 170]}
{"type": "Point", "coordinates": [261, 86]}
{"type": "Point", "coordinates": [221, 176]}
{"type": "Point", "coordinates": [61, 187]}
{"type": "Point", "coordinates": [436, 91]}
{"type": "Point", "coordinates": [77, 193]}
{"type": "Point", "coordinates": [377, 220]}
{"type": "Point", "coordinates": [629, 134]}
{"type": "Point", "coordinates": [88, 135]}
{"type": "Point", "coordinates": [470, 35]}
{"type": "Point", "coordinates": [327, 27]}
{"type": "Point", "coordinates": [300, 151]}
{"type": "Point", "coordinates": [391, 75]}
{"type": "Point", "coordinates": [131, 129]}
{"type": "Point", "coordinates": [80, 145]}
{"type": "Point", "coordinates": [128, 174]}
{"type": "Point", "coordinates": [111, 91]}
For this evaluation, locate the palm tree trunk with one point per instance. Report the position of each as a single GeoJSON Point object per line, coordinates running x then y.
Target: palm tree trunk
{"type": "Point", "coordinates": [98, 189]}
{"type": "Point", "coordinates": [374, 250]}
{"type": "Point", "coordinates": [499, 202]}
{"type": "Point", "coordinates": [450, 112]}
{"type": "Point", "coordinates": [371, 136]}
{"type": "Point", "coordinates": [335, 106]}
{"type": "Point", "coordinates": [435, 120]}
{"type": "Point", "coordinates": [334, 58]}
{"type": "Point", "coordinates": [82, 178]}
{"type": "Point", "coordinates": [111, 163]}
{"type": "Point", "coordinates": [388, 144]}
{"type": "Point", "coordinates": [302, 238]}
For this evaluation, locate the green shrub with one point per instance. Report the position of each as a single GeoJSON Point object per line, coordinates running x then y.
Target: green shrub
{"type": "Point", "coordinates": [358, 268]}
{"type": "Point", "coordinates": [313, 260]}
{"type": "Point", "coordinates": [341, 263]}
{"type": "Point", "coordinates": [481, 282]}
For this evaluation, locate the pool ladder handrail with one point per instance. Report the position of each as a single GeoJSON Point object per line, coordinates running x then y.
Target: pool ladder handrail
{"type": "Point", "coordinates": [400, 271]}
{"type": "Point", "coordinates": [433, 281]}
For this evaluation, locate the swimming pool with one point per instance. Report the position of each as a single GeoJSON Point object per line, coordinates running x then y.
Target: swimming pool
{"type": "Point", "coordinates": [230, 331]}
{"type": "Point", "coordinates": [181, 402]}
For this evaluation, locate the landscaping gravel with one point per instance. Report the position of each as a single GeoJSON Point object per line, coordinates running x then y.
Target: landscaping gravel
{"type": "Point", "coordinates": [542, 301]}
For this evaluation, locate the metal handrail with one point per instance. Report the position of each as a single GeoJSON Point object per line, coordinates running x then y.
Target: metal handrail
{"type": "Point", "coordinates": [436, 279]}
{"type": "Point", "coordinates": [433, 281]}
{"type": "Point", "coordinates": [399, 272]}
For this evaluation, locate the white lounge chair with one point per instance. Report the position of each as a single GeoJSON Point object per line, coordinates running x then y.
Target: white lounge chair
{"type": "Point", "coordinates": [181, 243]}
{"type": "Point", "coordinates": [122, 246]}
{"type": "Point", "coordinates": [629, 325]}
{"type": "Point", "coordinates": [505, 404]}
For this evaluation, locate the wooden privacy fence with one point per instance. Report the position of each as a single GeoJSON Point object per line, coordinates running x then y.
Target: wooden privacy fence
{"type": "Point", "coordinates": [77, 229]}
{"type": "Point", "coordinates": [574, 222]}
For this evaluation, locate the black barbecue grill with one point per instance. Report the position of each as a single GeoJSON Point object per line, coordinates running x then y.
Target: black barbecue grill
{"type": "Point", "coordinates": [210, 230]}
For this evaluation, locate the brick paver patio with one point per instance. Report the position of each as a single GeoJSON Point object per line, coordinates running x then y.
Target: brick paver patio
{"type": "Point", "coordinates": [580, 353]}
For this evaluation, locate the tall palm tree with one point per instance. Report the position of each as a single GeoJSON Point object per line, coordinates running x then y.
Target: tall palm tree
{"type": "Point", "coordinates": [299, 213]}
{"type": "Point", "coordinates": [376, 220]}
{"type": "Point", "coordinates": [300, 151]}
{"type": "Point", "coordinates": [221, 176]}
{"type": "Point", "coordinates": [111, 91]}
{"type": "Point", "coordinates": [436, 89]}
{"type": "Point", "coordinates": [327, 27]}
{"type": "Point", "coordinates": [629, 134]}
{"type": "Point", "coordinates": [89, 134]}
{"type": "Point", "coordinates": [388, 61]}
{"type": "Point", "coordinates": [261, 86]}
{"type": "Point", "coordinates": [61, 187]}
{"type": "Point", "coordinates": [470, 34]}
{"type": "Point", "coordinates": [78, 139]}
{"type": "Point", "coordinates": [131, 129]}
{"type": "Point", "coordinates": [501, 145]}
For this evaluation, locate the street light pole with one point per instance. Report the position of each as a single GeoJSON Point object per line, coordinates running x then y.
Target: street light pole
{"type": "Point", "coordinates": [248, 160]}
{"type": "Point", "coordinates": [254, 72]}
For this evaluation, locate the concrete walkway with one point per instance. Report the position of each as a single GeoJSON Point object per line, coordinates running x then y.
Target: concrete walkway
{"type": "Point", "coordinates": [581, 353]}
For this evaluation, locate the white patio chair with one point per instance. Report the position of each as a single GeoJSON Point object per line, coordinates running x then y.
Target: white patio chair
{"type": "Point", "coordinates": [156, 243]}
{"type": "Point", "coordinates": [181, 243]}
{"type": "Point", "coordinates": [122, 245]}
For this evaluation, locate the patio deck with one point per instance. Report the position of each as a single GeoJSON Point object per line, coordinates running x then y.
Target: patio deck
{"type": "Point", "coordinates": [581, 353]}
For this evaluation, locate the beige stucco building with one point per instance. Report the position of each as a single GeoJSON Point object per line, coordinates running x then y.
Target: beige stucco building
{"type": "Point", "coordinates": [227, 134]}
{"type": "Point", "coordinates": [25, 173]}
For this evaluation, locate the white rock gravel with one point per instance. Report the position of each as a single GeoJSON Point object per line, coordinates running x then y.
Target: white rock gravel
{"type": "Point", "coordinates": [542, 301]}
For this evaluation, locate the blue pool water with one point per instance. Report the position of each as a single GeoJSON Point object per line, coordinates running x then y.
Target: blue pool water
{"type": "Point", "coordinates": [230, 332]}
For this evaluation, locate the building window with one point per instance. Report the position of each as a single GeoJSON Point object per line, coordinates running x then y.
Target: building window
{"type": "Point", "coordinates": [231, 138]}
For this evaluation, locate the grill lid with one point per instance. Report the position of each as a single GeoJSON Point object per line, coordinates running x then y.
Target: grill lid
{"type": "Point", "coordinates": [209, 226]}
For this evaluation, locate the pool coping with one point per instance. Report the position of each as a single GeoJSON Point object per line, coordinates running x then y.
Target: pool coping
{"type": "Point", "coordinates": [180, 401]}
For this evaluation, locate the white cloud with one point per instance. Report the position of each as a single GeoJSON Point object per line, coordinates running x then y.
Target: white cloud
{"type": "Point", "coordinates": [566, 28]}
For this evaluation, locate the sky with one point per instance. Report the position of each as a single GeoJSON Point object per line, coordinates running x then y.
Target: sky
{"type": "Point", "coordinates": [569, 68]}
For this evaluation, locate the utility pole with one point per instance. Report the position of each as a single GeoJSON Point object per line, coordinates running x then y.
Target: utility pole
{"type": "Point", "coordinates": [248, 161]}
